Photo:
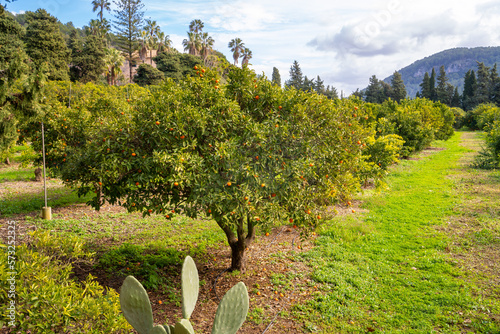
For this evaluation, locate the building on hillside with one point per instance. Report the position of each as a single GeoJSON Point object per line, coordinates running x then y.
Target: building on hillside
{"type": "Point", "coordinates": [144, 56]}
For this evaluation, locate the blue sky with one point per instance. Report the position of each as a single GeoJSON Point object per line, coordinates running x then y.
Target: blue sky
{"type": "Point", "coordinates": [344, 42]}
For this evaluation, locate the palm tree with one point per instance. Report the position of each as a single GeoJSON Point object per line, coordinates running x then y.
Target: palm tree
{"type": "Point", "coordinates": [165, 43]}
{"type": "Point", "coordinates": [206, 45]}
{"type": "Point", "coordinates": [196, 26]}
{"type": "Point", "coordinates": [237, 46]}
{"type": "Point", "coordinates": [102, 4]}
{"type": "Point", "coordinates": [98, 28]}
{"type": "Point", "coordinates": [144, 50]}
{"type": "Point", "coordinates": [247, 55]}
{"type": "Point", "coordinates": [151, 29]}
{"type": "Point", "coordinates": [192, 45]}
{"type": "Point", "coordinates": [114, 61]}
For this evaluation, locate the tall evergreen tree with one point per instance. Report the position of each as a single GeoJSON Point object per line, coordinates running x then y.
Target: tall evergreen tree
{"type": "Point", "coordinates": [319, 85]}
{"type": "Point", "coordinates": [469, 93]}
{"type": "Point", "coordinates": [398, 87]}
{"type": "Point", "coordinates": [45, 44]}
{"type": "Point", "coordinates": [331, 93]}
{"type": "Point", "coordinates": [307, 84]}
{"type": "Point", "coordinates": [483, 84]}
{"type": "Point", "coordinates": [495, 86]}
{"type": "Point", "coordinates": [425, 87]}
{"type": "Point", "coordinates": [129, 19]}
{"type": "Point", "coordinates": [455, 100]}
{"type": "Point", "coordinates": [441, 92]}
{"type": "Point", "coordinates": [374, 93]}
{"type": "Point", "coordinates": [89, 62]}
{"type": "Point", "coordinates": [432, 85]}
{"type": "Point", "coordinates": [20, 83]}
{"type": "Point", "coordinates": [276, 78]}
{"type": "Point", "coordinates": [296, 78]}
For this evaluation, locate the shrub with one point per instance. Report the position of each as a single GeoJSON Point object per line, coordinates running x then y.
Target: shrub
{"type": "Point", "coordinates": [48, 300]}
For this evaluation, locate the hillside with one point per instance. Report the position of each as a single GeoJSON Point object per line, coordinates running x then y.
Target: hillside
{"type": "Point", "coordinates": [456, 61]}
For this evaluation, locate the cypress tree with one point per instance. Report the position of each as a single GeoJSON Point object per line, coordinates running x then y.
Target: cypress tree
{"type": "Point", "coordinates": [276, 78]}
{"type": "Point", "coordinates": [425, 87]}
{"type": "Point", "coordinates": [469, 92]}
{"type": "Point", "coordinates": [432, 85]}
{"type": "Point", "coordinates": [455, 100]}
{"type": "Point", "coordinates": [45, 44]}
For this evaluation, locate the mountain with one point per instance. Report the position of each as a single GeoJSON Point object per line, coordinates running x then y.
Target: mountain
{"type": "Point", "coordinates": [456, 62]}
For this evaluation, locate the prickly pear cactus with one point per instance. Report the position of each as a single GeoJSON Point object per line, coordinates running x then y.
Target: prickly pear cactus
{"type": "Point", "coordinates": [183, 327]}
{"type": "Point", "coordinates": [135, 305]}
{"type": "Point", "coordinates": [158, 330]}
{"type": "Point", "coordinates": [190, 287]}
{"type": "Point", "coordinates": [232, 310]}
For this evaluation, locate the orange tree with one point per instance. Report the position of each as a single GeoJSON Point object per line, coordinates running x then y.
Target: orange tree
{"type": "Point", "coordinates": [246, 153]}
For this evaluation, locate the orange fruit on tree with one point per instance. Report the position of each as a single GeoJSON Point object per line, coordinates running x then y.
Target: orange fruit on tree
{"type": "Point", "coordinates": [133, 154]}
{"type": "Point", "coordinates": [229, 184]}
{"type": "Point", "coordinates": [176, 184]}
{"type": "Point", "coordinates": [157, 123]}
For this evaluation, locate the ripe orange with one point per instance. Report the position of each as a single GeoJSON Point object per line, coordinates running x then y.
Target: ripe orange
{"type": "Point", "coordinates": [137, 183]}
{"type": "Point", "coordinates": [150, 210]}
{"type": "Point", "coordinates": [182, 137]}
{"type": "Point", "coordinates": [122, 113]}
{"type": "Point", "coordinates": [171, 129]}
{"type": "Point", "coordinates": [267, 234]}
{"type": "Point", "coordinates": [280, 107]}
{"type": "Point", "coordinates": [262, 185]}
{"type": "Point", "coordinates": [133, 154]}
{"type": "Point", "coordinates": [209, 211]}
{"type": "Point", "coordinates": [100, 183]}
{"type": "Point", "coordinates": [176, 184]}
{"type": "Point", "coordinates": [359, 143]}
{"type": "Point", "coordinates": [257, 219]}
{"type": "Point", "coordinates": [196, 67]}
{"type": "Point", "coordinates": [203, 70]}
{"type": "Point", "coordinates": [246, 198]}
{"type": "Point", "coordinates": [257, 97]}
{"type": "Point", "coordinates": [355, 108]}
{"type": "Point", "coordinates": [273, 195]}
{"type": "Point", "coordinates": [157, 123]}
{"type": "Point", "coordinates": [290, 220]}
{"type": "Point", "coordinates": [229, 184]}
{"type": "Point", "coordinates": [319, 217]}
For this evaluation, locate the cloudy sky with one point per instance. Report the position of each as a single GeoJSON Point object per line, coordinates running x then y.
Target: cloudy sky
{"type": "Point", "coordinates": [344, 42]}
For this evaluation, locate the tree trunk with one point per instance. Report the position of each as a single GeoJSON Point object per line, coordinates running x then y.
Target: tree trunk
{"type": "Point", "coordinates": [239, 242]}
{"type": "Point", "coordinates": [7, 161]}
{"type": "Point", "coordinates": [38, 175]}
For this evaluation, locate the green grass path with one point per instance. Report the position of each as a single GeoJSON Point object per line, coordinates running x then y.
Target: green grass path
{"type": "Point", "coordinates": [388, 270]}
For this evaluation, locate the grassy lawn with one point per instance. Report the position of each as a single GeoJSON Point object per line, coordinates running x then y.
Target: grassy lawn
{"type": "Point", "coordinates": [396, 267]}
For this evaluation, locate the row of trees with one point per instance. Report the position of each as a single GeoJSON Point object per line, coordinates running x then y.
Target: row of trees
{"type": "Point", "coordinates": [299, 81]}
{"type": "Point", "coordinates": [480, 87]}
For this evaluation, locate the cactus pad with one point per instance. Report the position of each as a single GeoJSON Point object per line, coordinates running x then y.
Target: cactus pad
{"type": "Point", "coordinates": [135, 305]}
{"type": "Point", "coordinates": [183, 327]}
{"type": "Point", "coordinates": [190, 287]}
{"type": "Point", "coordinates": [232, 310]}
{"type": "Point", "coordinates": [159, 329]}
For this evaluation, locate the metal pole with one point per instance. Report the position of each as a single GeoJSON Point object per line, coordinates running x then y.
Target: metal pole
{"type": "Point", "coordinates": [46, 211]}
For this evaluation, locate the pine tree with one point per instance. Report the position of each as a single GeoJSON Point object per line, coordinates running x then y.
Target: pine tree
{"type": "Point", "coordinates": [331, 93]}
{"type": "Point", "coordinates": [307, 85]}
{"type": "Point", "coordinates": [495, 86]}
{"type": "Point", "coordinates": [469, 93]}
{"type": "Point", "coordinates": [398, 87]}
{"type": "Point", "coordinates": [20, 83]}
{"type": "Point", "coordinates": [375, 91]}
{"type": "Point", "coordinates": [129, 19]}
{"type": "Point", "coordinates": [483, 84]}
{"type": "Point", "coordinates": [88, 63]}
{"type": "Point", "coordinates": [45, 43]}
{"type": "Point", "coordinates": [425, 87]}
{"type": "Point", "coordinates": [296, 78]}
{"type": "Point", "coordinates": [441, 92]}
{"type": "Point", "coordinates": [319, 86]}
{"type": "Point", "coordinates": [276, 78]}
